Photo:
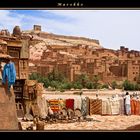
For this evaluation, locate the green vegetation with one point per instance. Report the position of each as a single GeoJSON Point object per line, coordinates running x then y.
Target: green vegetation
{"type": "Point", "coordinates": [95, 81]}
{"type": "Point", "coordinates": [138, 79]}
{"type": "Point", "coordinates": [127, 85]}
{"type": "Point", "coordinates": [105, 86]}
{"type": "Point", "coordinates": [114, 84]}
{"type": "Point", "coordinates": [57, 81]}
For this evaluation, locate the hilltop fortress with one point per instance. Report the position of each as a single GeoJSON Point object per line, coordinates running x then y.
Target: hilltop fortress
{"type": "Point", "coordinates": [73, 56]}
{"type": "Point", "coordinates": [77, 55]}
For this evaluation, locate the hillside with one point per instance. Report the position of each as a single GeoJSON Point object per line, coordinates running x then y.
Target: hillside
{"type": "Point", "coordinates": [41, 41]}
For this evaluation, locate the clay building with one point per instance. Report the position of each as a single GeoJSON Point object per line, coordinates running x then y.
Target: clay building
{"type": "Point", "coordinates": [77, 55]}
{"type": "Point", "coordinates": [111, 65]}
{"type": "Point", "coordinates": [18, 48]}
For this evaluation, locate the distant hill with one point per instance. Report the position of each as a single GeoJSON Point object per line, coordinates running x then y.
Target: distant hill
{"type": "Point", "coordinates": [41, 40]}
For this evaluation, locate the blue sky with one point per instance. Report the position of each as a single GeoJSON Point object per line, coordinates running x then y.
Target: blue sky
{"type": "Point", "coordinates": [113, 28]}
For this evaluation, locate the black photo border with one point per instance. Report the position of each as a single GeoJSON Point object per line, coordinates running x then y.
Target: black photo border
{"type": "Point", "coordinates": [68, 4]}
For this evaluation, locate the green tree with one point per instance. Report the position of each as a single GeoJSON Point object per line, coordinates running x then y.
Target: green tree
{"type": "Point", "coordinates": [39, 78]}
{"type": "Point", "coordinates": [82, 79]}
{"type": "Point", "coordinates": [114, 84]}
{"type": "Point", "coordinates": [55, 75]}
{"type": "Point", "coordinates": [34, 76]}
{"type": "Point", "coordinates": [128, 85]}
{"type": "Point", "coordinates": [55, 84]}
{"type": "Point", "coordinates": [137, 86]}
{"type": "Point", "coordinates": [95, 80]}
{"type": "Point", "coordinates": [67, 85]}
{"type": "Point", "coordinates": [46, 82]}
{"type": "Point", "coordinates": [105, 86]}
{"type": "Point", "coordinates": [77, 85]}
{"type": "Point", "coordinates": [138, 79]}
{"type": "Point", "coordinates": [89, 85]}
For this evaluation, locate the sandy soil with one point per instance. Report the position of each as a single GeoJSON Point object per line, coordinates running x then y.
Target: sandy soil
{"type": "Point", "coordinates": [99, 123]}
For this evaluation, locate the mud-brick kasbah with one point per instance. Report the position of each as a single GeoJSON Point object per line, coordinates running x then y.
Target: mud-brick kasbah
{"type": "Point", "coordinates": [38, 51]}
{"type": "Point", "coordinates": [72, 56]}
{"type": "Point", "coordinates": [76, 55]}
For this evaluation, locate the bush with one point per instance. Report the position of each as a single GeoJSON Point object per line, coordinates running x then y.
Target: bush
{"type": "Point", "coordinates": [40, 79]}
{"type": "Point", "coordinates": [34, 76]}
{"type": "Point", "coordinates": [130, 86]}
{"type": "Point", "coordinates": [55, 75]}
{"type": "Point", "coordinates": [105, 86]}
{"type": "Point", "coordinates": [82, 80]}
{"type": "Point", "coordinates": [62, 90]}
{"type": "Point", "coordinates": [89, 85]}
{"type": "Point", "coordinates": [66, 85]}
{"type": "Point", "coordinates": [114, 84]}
{"type": "Point", "coordinates": [77, 85]}
{"type": "Point", "coordinates": [119, 86]}
{"type": "Point", "coordinates": [55, 84]}
{"type": "Point", "coordinates": [95, 80]}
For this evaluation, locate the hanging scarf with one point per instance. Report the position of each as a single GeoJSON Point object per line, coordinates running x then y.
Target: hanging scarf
{"type": "Point", "coordinates": [9, 74]}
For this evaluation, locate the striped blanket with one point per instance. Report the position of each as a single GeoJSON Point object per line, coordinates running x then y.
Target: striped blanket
{"type": "Point", "coordinates": [95, 106]}
{"type": "Point", "coordinates": [54, 105]}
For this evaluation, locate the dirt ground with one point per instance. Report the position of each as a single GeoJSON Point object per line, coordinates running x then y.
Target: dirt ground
{"type": "Point", "coordinates": [99, 123]}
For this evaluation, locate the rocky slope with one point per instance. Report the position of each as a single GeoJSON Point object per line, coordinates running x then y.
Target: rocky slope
{"type": "Point", "coordinates": [41, 41]}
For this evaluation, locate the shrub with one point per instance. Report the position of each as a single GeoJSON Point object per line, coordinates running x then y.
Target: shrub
{"type": "Point", "coordinates": [129, 86]}
{"type": "Point", "coordinates": [114, 84]}
{"type": "Point", "coordinates": [77, 85]}
{"type": "Point", "coordinates": [105, 86]}
{"type": "Point", "coordinates": [89, 85]}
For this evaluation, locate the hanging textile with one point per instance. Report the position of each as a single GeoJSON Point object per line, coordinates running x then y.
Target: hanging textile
{"type": "Point", "coordinates": [77, 102]}
{"type": "Point", "coordinates": [122, 108]}
{"type": "Point", "coordinates": [95, 106]}
{"type": "Point", "coordinates": [85, 106]}
{"type": "Point", "coordinates": [70, 104]}
{"type": "Point", "coordinates": [137, 112]}
{"type": "Point", "coordinates": [43, 106]}
{"type": "Point", "coordinates": [138, 104]}
{"type": "Point", "coordinates": [62, 103]}
{"type": "Point", "coordinates": [106, 107]}
{"type": "Point", "coordinates": [54, 105]}
{"type": "Point", "coordinates": [9, 74]}
{"type": "Point", "coordinates": [115, 106]}
{"type": "Point", "coordinates": [133, 106]}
